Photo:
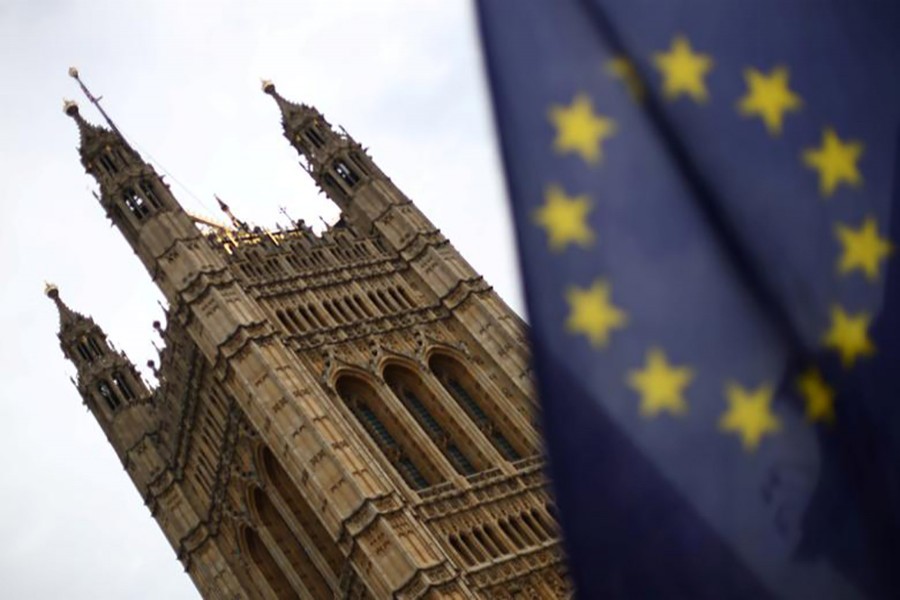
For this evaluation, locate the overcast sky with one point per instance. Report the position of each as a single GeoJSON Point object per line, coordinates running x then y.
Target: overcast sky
{"type": "Point", "coordinates": [181, 80]}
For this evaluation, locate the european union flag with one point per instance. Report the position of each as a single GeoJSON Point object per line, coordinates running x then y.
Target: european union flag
{"type": "Point", "coordinates": [706, 202]}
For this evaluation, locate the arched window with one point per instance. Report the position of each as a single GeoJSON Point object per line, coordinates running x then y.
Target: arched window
{"type": "Point", "coordinates": [485, 543]}
{"type": "Point", "coordinates": [308, 316]}
{"type": "Point", "coordinates": [532, 525]}
{"type": "Point", "coordinates": [108, 164]}
{"type": "Point", "coordinates": [302, 511]}
{"type": "Point", "coordinates": [362, 306]}
{"type": "Point", "coordinates": [512, 535]}
{"type": "Point", "coordinates": [84, 352]}
{"type": "Point", "coordinates": [317, 315]}
{"type": "Point", "coordinates": [150, 194]}
{"type": "Point", "coordinates": [474, 548]}
{"type": "Point", "coordinates": [268, 568]}
{"type": "Point", "coordinates": [290, 546]}
{"type": "Point", "coordinates": [415, 397]}
{"type": "Point", "coordinates": [109, 396]}
{"type": "Point", "coordinates": [387, 301]}
{"type": "Point", "coordinates": [495, 539]}
{"type": "Point", "coordinates": [331, 311]}
{"type": "Point", "coordinates": [135, 204]}
{"type": "Point", "coordinates": [456, 380]}
{"type": "Point", "coordinates": [397, 447]}
{"type": "Point", "coordinates": [352, 309]}
{"type": "Point", "coordinates": [313, 135]}
{"type": "Point", "coordinates": [377, 302]}
{"type": "Point", "coordinates": [346, 173]}
{"type": "Point", "coordinates": [284, 322]}
{"type": "Point", "coordinates": [95, 348]}
{"type": "Point", "coordinates": [122, 385]}
{"type": "Point", "coordinates": [396, 298]}
{"type": "Point", "coordinates": [358, 161]}
{"type": "Point", "coordinates": [461, 551]}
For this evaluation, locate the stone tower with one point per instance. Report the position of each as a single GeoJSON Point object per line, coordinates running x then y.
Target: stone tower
{"type": "Point", "coordinates": [347, 415]}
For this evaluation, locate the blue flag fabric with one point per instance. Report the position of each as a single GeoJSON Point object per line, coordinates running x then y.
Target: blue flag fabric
{"type": "Point", "coordinates": [704, 197]}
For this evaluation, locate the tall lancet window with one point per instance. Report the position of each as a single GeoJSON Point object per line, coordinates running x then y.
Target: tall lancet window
{"type": "Point", "coordinates": [107, 393]}
{"type": "Point", "coordinates": [313, 135]}
{"type": "Point", "coordinates": [122, 385]}
{"type": "Point", "coordinates": [150, 194]}
{"type": "Point", "coordinates": [266, 565]}
{"type": "Point", "coordinates": [108, 164]}
{"type": "Point", "coordinates": [410, 390]}
{"type": "Point", "coordinates": [461, 386]}
{"type": "Point", "coordinates": [383, 427]}
{"type": "Point", "coordinates": [346, 173]}
{"type": "Point", "coordinates": [135, 204]}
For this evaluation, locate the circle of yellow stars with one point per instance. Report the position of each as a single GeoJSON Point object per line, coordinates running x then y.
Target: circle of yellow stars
{"type": "Point", "coordinates": [660, 384]}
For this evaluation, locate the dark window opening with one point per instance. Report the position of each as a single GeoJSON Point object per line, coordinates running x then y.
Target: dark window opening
{"type": "Point", "coordinates": [123, 386]}
{"type": "Point", "coordinates": [135, 204]}
{"type": "Point", "coordinates": [360, 398]}
{"type": "Point", "coordinates": [84, 352]}
{"type": "Point", "coordinates": [108, 164]}
{"type": "Point", "coordinates": [331, 182]}
{"type": "Point", "coordinates": [110, 396]}
{"type": "Point", "coordinates": [92, 343]}
{"type": "Point", "coordinates": [313, 136]}
{"type": "Point", "coordinates": [358, 161]}
{"type": "Point", "coordinates": [346, 173]}
{"type": "Point", "coordinates": [149, 194]}
{"type": "Point", "coordinates": [447, 375]}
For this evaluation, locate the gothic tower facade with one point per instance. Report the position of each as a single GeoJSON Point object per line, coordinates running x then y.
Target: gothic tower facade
{"type": "Point", "coordinates": [339, 415]}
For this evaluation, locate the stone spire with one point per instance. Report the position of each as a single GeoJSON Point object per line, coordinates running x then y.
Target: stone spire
{"type": "Point", "coordinates": [68, 318]}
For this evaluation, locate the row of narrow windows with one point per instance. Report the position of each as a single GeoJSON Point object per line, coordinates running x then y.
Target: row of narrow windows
{"type": "Point", "coordinates": [88, 349]}
{"type": "Point", "coordinates": [507, 536]}
{"type": "Point", "coordinates": [111, 159]}
{"type": "Point", "coordinates": [140, 202]}
{"type": "Point", "coordinates": [143, 202]}
{"type": "Point", "coordinates": [399, 448]}
{"type": "Point", "coordinates": [347, 172]}
{"type": "Point", "coordinates": [345, 310]}
{"type": "Point", "coordinates": [259, 267]}
{"type": "Point", "coordinates": [116, 391]}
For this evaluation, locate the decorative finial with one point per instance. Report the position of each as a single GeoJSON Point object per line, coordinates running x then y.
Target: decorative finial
{"type": "Point", "coordinates": [70, 107]}
{"type": "Point", "coordinates": [51, 290]}
{"type": "Point", "coordinates": [267, 86]}
{"type": "Point", "coordinates": [73, 73]}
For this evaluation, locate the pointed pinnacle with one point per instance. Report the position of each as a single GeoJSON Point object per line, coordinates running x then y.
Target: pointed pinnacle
{"type": "Point", "coordinates": [66, 315]}
{"type": "Point", "coordinates": [88, 131]}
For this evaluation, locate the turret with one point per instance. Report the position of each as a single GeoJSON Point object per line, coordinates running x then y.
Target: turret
{"type": "Point", "coordinates": [108, 382]}
{"type": "Point", "coordinates": [337, 163]}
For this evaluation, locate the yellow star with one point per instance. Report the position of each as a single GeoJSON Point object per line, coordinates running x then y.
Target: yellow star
{"type": "Point", "coordinates": [580, 130]}
{"type": "Point", "coordinates": [683, 70]}
{"type": "Point", "coordinates": [818, 396]}
{"type": "Point", "coordinates": [768, 97]}
{"type": "Point", "coordinates": [849, 336]}
{"type": "Point", "coordinates": [623, 68]}
{"type": "Point", "coordinates": [835, 161]}
{"type": "Point", "coordinates": [864, 249]}
{"type": "Point", "coordinates": [593, 314]}
{"type": "Point", "coordinates": [660, 385]}
{"type": "Point", "coordinates": [564, 218]}
{"type": "Point", "coordinates": [749, 414]}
